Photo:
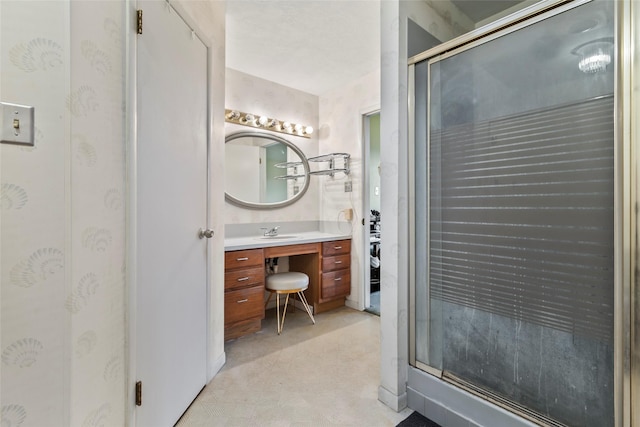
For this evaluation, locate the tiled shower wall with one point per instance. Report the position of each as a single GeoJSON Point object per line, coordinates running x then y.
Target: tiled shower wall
{"type": "Point", "coordinates": [62, 259]}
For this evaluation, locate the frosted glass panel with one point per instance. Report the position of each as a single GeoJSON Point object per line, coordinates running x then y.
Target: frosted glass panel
{"type": "Point", "coordinates": [516, 297]}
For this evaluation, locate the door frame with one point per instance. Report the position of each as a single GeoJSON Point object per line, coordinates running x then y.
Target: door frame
{"type": "Point", "coordinates": [131, 37]}
{"type": "Point", "coordinates": [364, 116]}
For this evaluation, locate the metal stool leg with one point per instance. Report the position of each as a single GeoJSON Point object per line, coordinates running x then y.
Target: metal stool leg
{"type": "Point", "coordinates": [278, 310]}
{"type": "Point", "coordinates": [306, 306]}
{"type": "Point", "coordinates": [284, 313]}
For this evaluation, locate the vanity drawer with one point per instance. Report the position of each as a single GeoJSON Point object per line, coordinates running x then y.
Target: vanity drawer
{"type": "Point", "coordinates": [240, 259]}
{"type": "Point", "coordinates": [243, 278]}
{"type": "Point", "coordinates": [338, 247]}
{"type": "Point", "coordinates": [336, 262]}
{"type": "Point", "coordinates": [243, 304]}
{"type": "Point", "coordinates": [336, 284]}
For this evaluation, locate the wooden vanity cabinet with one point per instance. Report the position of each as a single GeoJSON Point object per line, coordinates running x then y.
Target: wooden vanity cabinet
{"type": "Point", "coordinates": [243, 292]}
{"type": "Point", "coordinates": [328, 265]}
{"type": "Point", "coordinates": [336, 270]}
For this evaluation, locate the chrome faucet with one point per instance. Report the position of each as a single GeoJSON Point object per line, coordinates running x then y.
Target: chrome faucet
{"type": "Point", "coordinates": [270, 232]}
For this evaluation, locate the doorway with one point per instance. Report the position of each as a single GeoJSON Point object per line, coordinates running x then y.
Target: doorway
{"type": "Point", "coordinates": [371, 197]}
{"type": "Point", "coordinates": [171, 255]}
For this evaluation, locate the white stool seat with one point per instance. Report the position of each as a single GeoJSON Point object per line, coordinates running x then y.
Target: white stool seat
{"type": "Point", "coordinates": [290, 282]}
{"type": "Point", "coordinates": [285, 282]}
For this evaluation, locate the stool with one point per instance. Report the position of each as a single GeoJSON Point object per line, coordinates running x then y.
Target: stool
{"type": "Point", "coordinates": [288, 283]}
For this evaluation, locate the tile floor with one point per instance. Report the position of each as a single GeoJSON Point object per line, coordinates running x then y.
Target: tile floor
{"type": "Point", "coordinates": [325, 374]}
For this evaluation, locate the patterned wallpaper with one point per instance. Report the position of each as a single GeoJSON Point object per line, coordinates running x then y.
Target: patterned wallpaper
{"type": "Point", "coordinates": [62, 218]}
{"type": "Point", "coordinates": [62, 212]}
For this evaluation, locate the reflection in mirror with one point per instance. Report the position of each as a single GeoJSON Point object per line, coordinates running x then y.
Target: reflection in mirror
{"type": "Point", "coordinates": [264, 171]}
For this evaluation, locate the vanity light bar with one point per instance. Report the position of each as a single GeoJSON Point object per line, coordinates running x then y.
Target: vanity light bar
{"type": "Point", "coordinates": [264, 122]}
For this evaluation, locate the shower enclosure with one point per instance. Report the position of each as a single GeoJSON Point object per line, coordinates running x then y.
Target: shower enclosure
{"type": "Point", "coordinates": [518, 214]}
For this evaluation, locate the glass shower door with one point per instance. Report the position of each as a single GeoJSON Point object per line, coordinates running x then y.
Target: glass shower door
{"type": "Point", "coordinates": [515, 209]}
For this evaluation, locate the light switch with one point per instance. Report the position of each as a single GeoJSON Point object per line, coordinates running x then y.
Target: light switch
{"type": "Point", "coordinates": [17, 124]}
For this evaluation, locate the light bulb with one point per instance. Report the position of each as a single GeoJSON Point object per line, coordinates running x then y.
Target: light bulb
{"type": "Point", "coordinates": [286, 126]}
{"type": "Point", "coordinates": [263, 120]}
{"type": "Point", "coordinates": [595, 55]}
{"type": "Point", "coordinates": [298, 128]}
{"type": "Point", "coordinates": [308, 130]}
{"type": "Point", "coordinates": [249, 118]}
{"type": "Point", "coordinates": [594, 63]}
{"type": "Point", "coordinates": [273, 123]}
{"type": "Point", "coordinates": [233, 115]}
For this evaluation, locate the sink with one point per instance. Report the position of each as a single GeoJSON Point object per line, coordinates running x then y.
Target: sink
{"type": "Point", "coordinates": [278, 237]}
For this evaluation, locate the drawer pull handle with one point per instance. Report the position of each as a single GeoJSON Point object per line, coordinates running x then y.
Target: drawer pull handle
{"type": "Point", "coordinates": [243, 300]}
{"type": "Point", "coordinates": [337, 279]}
{"type": "Point", "coordinates": [243, 259]}
{"type": "Point", "coordinates": [243, 279]}
{"type": "Point", "coordinates": [338, 262]}
{"type": "Point", "coordinates": [337, 247]}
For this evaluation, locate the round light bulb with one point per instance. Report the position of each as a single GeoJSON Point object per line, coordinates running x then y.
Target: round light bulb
{"type": "Point", "coordinates": [263, 120]}
{"type": "Point", "coordinates": [308, 130]}
{"type": "Point", "coordinates": [249, 118]}
{"type": "Point", "coordinates": [233, 115]}
{"type": "Point", "coordinates": [286, 126]}
{"type": "Point", "coordinates": [298, 128]}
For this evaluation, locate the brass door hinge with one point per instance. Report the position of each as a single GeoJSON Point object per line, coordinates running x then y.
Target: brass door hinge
{"type": "Point", "coordinates": [139, 11]}
{"type": "Point", "coordinates": [139, 393]}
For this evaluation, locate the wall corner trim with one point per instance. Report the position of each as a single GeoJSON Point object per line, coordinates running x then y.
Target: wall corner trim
{"type": "Point", "coordinates": [216, 365]}
{"type": "Point", "coordinates": [393, 401]}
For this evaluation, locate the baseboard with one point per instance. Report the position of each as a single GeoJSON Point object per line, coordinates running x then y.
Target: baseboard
{"type": "Point", "coordinates": [393, 401]}
{"type": "Point", "coordinates": [215, 367]}
{"type": "Point", "coordinates": [354, 304]}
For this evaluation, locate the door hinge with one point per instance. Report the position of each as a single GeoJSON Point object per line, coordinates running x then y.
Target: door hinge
{"type": "Point", "coordinates": [139, 393]}
{"type": "Point", "coordinates": [139, 11]}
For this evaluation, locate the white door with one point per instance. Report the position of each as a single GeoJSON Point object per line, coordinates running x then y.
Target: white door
{"type": "Point", "coordinates": [171, 196]}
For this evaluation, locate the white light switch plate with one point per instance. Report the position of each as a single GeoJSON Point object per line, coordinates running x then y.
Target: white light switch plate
{"type": "Point", "coordinates": [17, 124]}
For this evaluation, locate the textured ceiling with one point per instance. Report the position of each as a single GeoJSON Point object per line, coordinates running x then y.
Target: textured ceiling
{"type": "Point", "coordinates": [310, 45]}
{"type": "Point", "coordinates": [314, 45]}
{"type": "Point", "coordinates": [479, 10]}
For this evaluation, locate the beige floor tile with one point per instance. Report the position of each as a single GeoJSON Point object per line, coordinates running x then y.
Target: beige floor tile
{"type": "Point", "coordinates": [325, 374]}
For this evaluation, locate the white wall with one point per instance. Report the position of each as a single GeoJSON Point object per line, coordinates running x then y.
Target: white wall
{"type": "Point", "coordinates": [258, 96]}
{"type": "Point", "coordinates": [245, 179]}
{"type": "Point", "coordinates": [394, 278]}
{"type": "Point", "coordinates": [341, 130]}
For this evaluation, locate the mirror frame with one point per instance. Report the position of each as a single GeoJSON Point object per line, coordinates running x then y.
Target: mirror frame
{"type": "Point", "coordinates": [275, 205]}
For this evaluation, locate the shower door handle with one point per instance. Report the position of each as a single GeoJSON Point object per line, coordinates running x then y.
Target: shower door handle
{"type": "Point", "coordinates": [205, 232]}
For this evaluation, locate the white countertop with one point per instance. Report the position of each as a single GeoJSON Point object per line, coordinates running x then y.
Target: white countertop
{"type": "Point", "coordinates": [284, 239]}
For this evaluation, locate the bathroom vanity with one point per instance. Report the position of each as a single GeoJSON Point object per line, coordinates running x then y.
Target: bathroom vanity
{"type": "Point", "coordinates": [324, 257]}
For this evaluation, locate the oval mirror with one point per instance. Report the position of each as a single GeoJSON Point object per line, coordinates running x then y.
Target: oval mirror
{"type": "Point", "coordinates": [263, 171]}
